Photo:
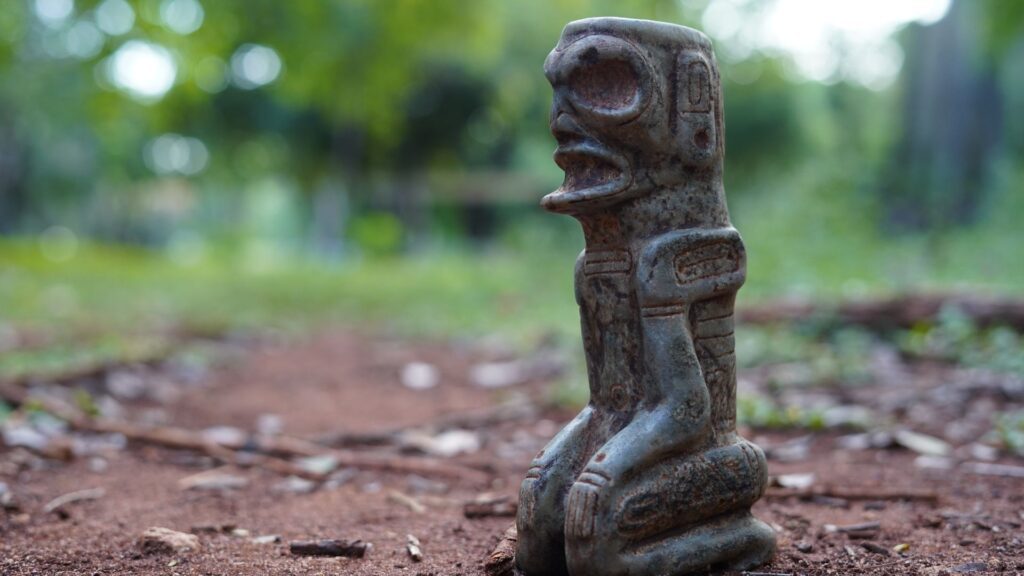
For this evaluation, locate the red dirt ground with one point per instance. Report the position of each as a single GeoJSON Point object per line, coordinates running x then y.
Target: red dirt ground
{"type": "Point", "coordinates": [341, 382]}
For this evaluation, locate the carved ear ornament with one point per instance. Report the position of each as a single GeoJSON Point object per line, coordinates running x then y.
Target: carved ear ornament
{"type": "Point", "coordinates": [698, 132]}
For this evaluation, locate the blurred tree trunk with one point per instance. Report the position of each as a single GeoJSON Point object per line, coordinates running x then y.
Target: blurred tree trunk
{"type": "Point", "coordinates": [952, 124]}
{"type": "Point", "coordinates": [14, 198]}
{"type": "Point", "coordinates": [330, 209]}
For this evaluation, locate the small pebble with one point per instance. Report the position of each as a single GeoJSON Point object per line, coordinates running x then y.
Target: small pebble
{"type": "Point", "coordinates": [98, 465]}
{"type": "Point", "coordinates": [163, 540]}
{"type": "Point", "coordinates": [420, 376]}
{"type": "Point", "coordinates": [413, 547]}
{"type": "Point", "coordinates": [295, 485]}
{"type": "Point", "coordinates": [6, 497]}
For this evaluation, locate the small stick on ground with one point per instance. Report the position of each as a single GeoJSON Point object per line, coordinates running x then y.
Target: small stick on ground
{"type": "Point", "coordinates": [848, 528]}
{"type": "Point", "coordinates": [501, 562]}
{"type": "Point", "coordinates": [409, 502]}
{"type": "Point", "coordinates": [990, 469]}
{"type": "Point", "coordinates": [60, 502]}
{"type": "Point", "coordinates": [470, 420]}
{"type": "Point", "coordinates": [347, 548]}
{"type": "Point", "coordinates": [188, 440]}
{"type": "Point", "coordinates": [182, 439]}
{"type": "Point", "coordinates": [876, 548]}
{"type": "Point", "coordinates": [490, 506]}
{"type": "Point", "coordinates": [845, 494]}
{"type": "Point", "coordinates": [904, 311]}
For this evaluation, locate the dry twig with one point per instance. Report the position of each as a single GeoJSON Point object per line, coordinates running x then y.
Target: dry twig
{"type": "Point", "coordinates": [850, 494]}
{"type": "Point", "coordinates": [899, 312]}
{"type": "Point", "coordinates": [488, 506]}
{"type": "Point", "coordinates": [349, 548]}
{"type": "Point", "coordinates": [182, 439]}
{"type": "Point", "coordinates": [60, 502]}
{"type": "Point", "coordinates": [501, 562]}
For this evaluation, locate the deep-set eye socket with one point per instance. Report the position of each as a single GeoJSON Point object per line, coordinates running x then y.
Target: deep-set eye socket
{"type": "Point", "coordinates": [606, 76]}
{"type": "Point", "coordinates": [605, 84]}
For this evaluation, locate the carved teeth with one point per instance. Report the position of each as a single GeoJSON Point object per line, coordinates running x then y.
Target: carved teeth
{"type": "Point", "coordinates": [590, 169]}
{"type": "Point", "coordinates": [582, 172]}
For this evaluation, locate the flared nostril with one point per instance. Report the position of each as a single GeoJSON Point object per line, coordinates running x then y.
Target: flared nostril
{"type": "Point", "coordinates": [565, 129]}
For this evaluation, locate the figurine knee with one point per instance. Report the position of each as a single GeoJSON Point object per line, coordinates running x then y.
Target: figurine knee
{"type": "Point", "coordinates": [540, 519]}
{"type": "Point", "coordinates": [540, 542]}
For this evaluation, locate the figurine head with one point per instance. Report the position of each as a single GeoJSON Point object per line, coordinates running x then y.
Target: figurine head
{"type": "Point", "coordinates": [637, 107]}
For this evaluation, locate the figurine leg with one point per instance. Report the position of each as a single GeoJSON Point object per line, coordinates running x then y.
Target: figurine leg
{"type": "Point", "coordinates": [677, 517]}
{"type": "Point", "coordinates": [540, 550]}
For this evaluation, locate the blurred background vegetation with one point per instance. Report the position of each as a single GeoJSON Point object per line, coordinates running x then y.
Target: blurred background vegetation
{"type": "Point", "coordinates": [236, 163]}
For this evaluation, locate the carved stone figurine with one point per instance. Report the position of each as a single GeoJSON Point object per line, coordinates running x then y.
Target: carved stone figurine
{"type": "Point", "coordinates": [651, 478]}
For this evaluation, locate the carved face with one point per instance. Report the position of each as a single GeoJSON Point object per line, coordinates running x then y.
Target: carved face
{"type": "Point", "coordinates": [630, 113]}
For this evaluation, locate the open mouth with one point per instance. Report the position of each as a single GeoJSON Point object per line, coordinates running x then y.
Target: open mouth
{"type": "Point", "coordinates": [592, 173]}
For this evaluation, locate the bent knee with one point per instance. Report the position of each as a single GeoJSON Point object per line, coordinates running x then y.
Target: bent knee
{"type": "Point", "coordinates": [540, 548]}
{"type": "Point", "coordinates": [542, 501]}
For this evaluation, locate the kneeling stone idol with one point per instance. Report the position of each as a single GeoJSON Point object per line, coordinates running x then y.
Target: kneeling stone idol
{"type": "Point", "coordinates": [651, 478]}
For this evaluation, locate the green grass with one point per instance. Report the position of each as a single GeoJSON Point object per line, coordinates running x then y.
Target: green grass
{"type": "Point", "coordinates": [109, 288]}
{"type": "Point", "coordinates": [813, 235]}
{"type": "Point", "coordinates": [520, 293]}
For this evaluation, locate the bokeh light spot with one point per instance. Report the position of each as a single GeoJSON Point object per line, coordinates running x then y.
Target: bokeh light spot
{"type": "Point", "coordinates": [54, 13]}
{"type": "Point", "coordinates": [253, 66]}
{"type": "Point", "coordinates": [211, 74]}
{"type": "Point", "coordinates": [182, 16]}
{"type": "Point", "coordinates": [176, 154]}
{"type": "Point", "coordinates": [115, 17]}
{"type": "Point", "coordinates": [144, 70]}
{"type": "Point", "coordinates": [824, 41]}
{"type": "Point", "coordinates": [84, 40]}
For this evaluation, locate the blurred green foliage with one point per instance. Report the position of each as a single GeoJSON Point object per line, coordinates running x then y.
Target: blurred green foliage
{"type": "Point", "coordinates": [760, 412]}
{"type": "Point", "coordinates": [402, 106]}
{"type": "Point", "coordinates": [63, 357]}
{"type": "Point", "coordinates": [387, 173]}
{"type": "Point", "coordinates": [1009, 431]}
{"type": "Point", "coordinates": [378, 233]}
{"type": "Point", "coordinates": [955, 338]}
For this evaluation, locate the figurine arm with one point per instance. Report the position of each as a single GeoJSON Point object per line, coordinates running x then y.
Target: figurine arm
{"type": "Point", "coordinates": [667, 425]}
{"type": "Point", "coordinates": [687, 266]}
{"type": "Point", "coordinates": [674, 271]}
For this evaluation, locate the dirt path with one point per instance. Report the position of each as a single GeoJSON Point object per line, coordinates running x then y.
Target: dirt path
{"type": "Point", "coordinates": [340, 382]}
